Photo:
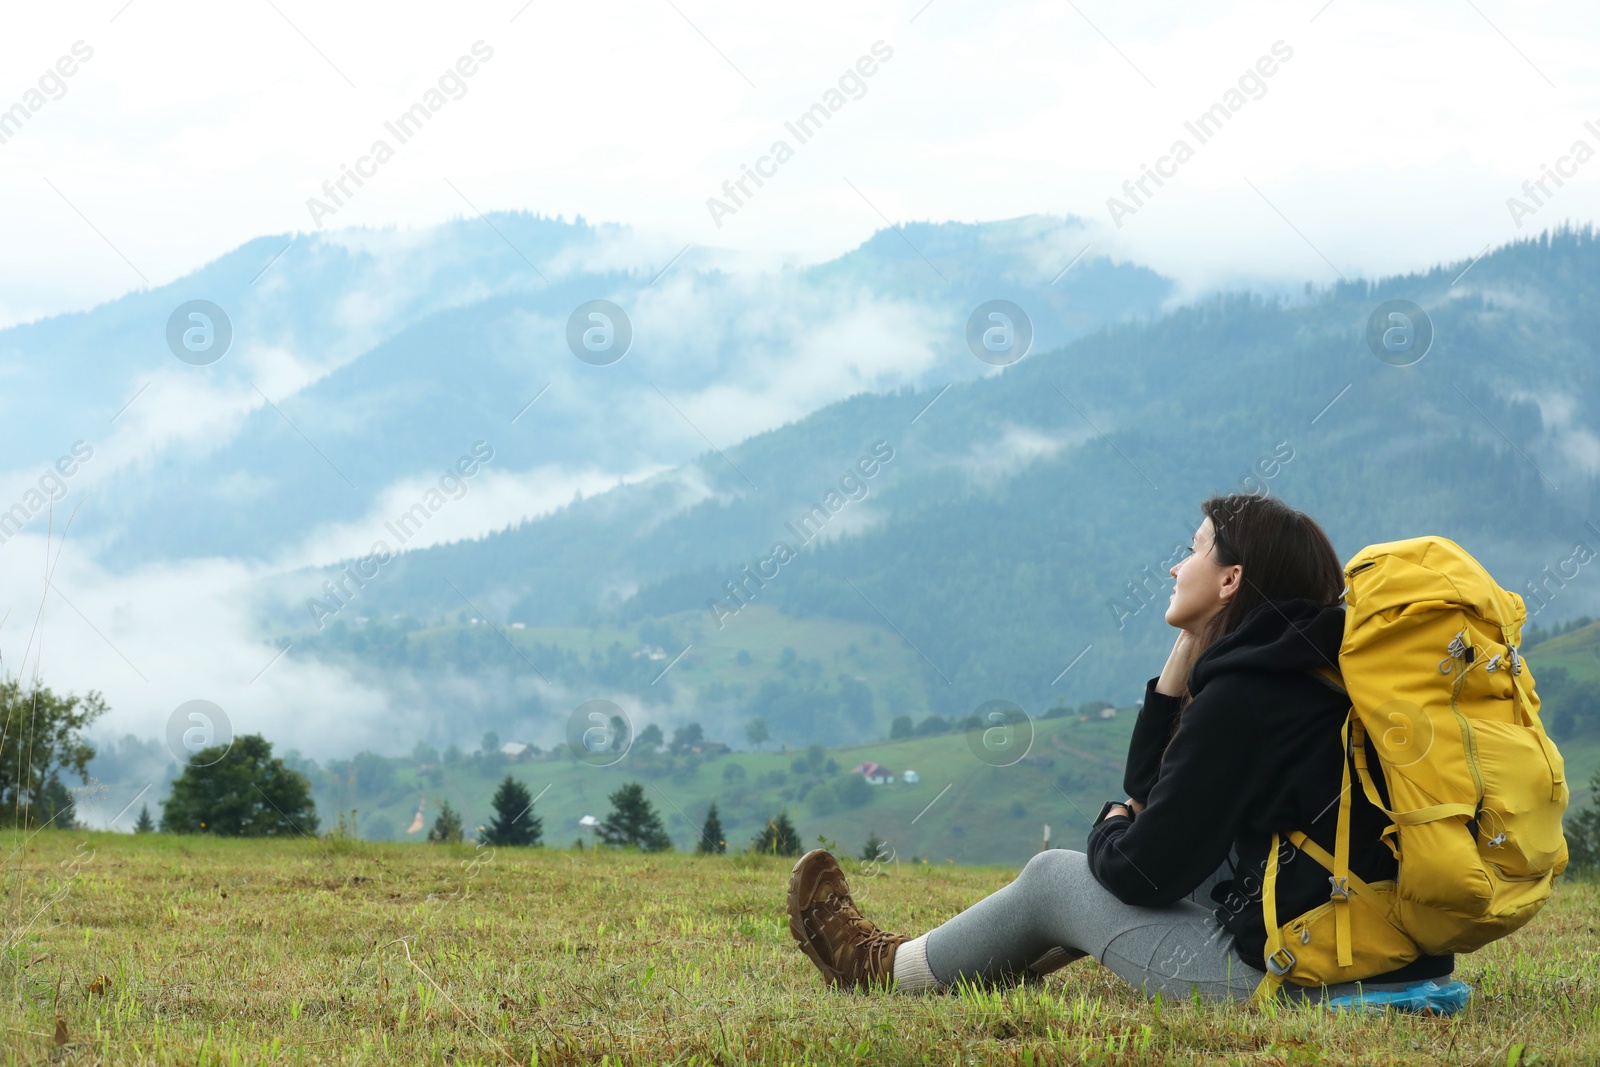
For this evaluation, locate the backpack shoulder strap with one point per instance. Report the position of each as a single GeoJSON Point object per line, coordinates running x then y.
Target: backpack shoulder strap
{"type": "Point", "coordinates": [1330, 677]}
{"type": "Point", "coordinates": [1279, 960]}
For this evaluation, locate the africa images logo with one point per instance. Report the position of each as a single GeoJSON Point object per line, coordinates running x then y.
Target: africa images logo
{"type": "Point", "coordinates": [1399, 332]}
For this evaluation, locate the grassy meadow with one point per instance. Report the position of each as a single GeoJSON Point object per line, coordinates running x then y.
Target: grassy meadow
{"type": "Point", "coordinates": [156, 949]}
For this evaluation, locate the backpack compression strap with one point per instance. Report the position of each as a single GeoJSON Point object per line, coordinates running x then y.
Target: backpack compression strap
{"type": "Point", "coordinates": [1358, 736]}
{"type": "Point", "coordinates": [1339, 863]}
{"type": "Point", "coordinates": [1279, 959]}
{"type": "Point", "coordinates": [1340, 878]}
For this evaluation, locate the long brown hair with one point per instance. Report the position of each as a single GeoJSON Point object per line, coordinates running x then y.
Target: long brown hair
{"type": "Point", "coordinates": [1284, 554]}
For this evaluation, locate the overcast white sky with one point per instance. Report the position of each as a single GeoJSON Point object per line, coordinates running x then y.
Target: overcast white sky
{"type": "Point", "coordinates": [1391, 139]}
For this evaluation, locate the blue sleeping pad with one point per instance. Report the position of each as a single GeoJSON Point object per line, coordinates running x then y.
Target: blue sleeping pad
{"type": "Point", "coordinates": [1446, 999]}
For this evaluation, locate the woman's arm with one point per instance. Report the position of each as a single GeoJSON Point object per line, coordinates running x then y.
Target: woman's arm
{"type": "Point", "coordinates": [1151, 731]}
{"type": "Point", "coordinates": [1154, 726]}
{"type": "Point", "coordinates": [1194, 810]}
{"type": "Point", "coordinates": [1180, 661]}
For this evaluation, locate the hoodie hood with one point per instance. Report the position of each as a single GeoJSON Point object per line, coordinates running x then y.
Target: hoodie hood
{"type": "Point", "coordinates": [1284, 636]}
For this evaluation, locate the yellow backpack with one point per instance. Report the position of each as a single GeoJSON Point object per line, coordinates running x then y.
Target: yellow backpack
{"type": "Point", "coordinates": [1437, 687]}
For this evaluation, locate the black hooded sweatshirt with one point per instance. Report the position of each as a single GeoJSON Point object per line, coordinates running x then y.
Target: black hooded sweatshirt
{"type": "Point", "coordinates": [1257, 751]}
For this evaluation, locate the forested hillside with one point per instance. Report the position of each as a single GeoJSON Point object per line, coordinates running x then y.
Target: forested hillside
{"type": "Point", "coordinates": [1021, 523]}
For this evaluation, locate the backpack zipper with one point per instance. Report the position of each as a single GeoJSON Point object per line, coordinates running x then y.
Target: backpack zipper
{"type": "Point", "coordinates": [1469, 738]}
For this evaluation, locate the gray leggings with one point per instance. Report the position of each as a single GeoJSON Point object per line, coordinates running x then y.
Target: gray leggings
{"type": "Point", "coordinates": [1055, 912]}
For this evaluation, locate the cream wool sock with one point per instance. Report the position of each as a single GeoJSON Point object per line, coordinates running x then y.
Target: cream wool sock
{"type": "Point", "coordinates": [911, 973]}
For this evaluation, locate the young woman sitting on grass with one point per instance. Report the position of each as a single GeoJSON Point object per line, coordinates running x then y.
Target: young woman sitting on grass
{"type": "Point", "coordinates": [1236, 740]}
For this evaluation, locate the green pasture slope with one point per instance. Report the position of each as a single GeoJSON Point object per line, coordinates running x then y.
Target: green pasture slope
{"type": "Point", "coordinates": [1578, 653]}
{"type": "Point", "coordinates": [988, 814]}
{"type": "Point", "coordinates": [962, 810]}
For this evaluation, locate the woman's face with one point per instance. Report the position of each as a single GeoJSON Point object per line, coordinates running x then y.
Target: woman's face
{"type": "Point", "coordinates": [1204, 587]}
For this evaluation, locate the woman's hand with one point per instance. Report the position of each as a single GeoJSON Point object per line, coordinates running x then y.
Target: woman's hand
{"type": "Point", "coordinates": [1175, 675]}
{"type": "Point", "coordinates": [1134, 806]}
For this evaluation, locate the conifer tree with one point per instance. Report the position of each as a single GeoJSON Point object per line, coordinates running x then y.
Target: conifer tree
{"type": "Point", "coordinates": [514, 822]}
{"type": "Point", "coordinates": [447, 827]}
{"type": "Point", "coordinates": [1583, 832]}
{"type": "Point", "coordinates": [633, 821]}
{"type": "Point", "coordinates": [778, 837]}
{"type": "Point", "coordinates": [712, 842]}
{"type": "Point", "coordinates": [146, 824]}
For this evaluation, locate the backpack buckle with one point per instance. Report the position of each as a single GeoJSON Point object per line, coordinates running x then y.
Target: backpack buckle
{"type": "Point", "coordinates": [1516, 661]}
{"type": "Point", "coordinates": [1280, 967]}
{"type": "Point", "coordinates": [1458, 645]}
{"type": "Point", "coordinates": [1341, 891]}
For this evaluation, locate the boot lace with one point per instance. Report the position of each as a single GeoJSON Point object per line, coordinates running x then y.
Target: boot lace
{"type": "Point", "coordinates": [861, 950]}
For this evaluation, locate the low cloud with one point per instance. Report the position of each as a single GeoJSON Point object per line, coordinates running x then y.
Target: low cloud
{"type": "Point", "coordinates": [1015, 448]}
{"type": "Point", "coordinates": [1563, 424]}
{"type": "Point", "coordinates": [158, 636]}
{"type": "Point", "coordinates": [790, 351]}
{"type": "Point", "coordinates": [852, 522]}
{"type": "Point", "coordinates": [491, 500]}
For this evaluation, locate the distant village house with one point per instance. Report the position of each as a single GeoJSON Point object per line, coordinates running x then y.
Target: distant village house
{"type": "Point", "coordinates": [874, 773]}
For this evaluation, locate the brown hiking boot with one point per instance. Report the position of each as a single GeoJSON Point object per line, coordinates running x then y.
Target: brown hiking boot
{"type": "Point", "coordinates": [846, 947]}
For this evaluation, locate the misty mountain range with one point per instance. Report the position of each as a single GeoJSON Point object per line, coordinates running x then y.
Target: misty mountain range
{"type": "Point", "coordinates": [1011, 541]}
